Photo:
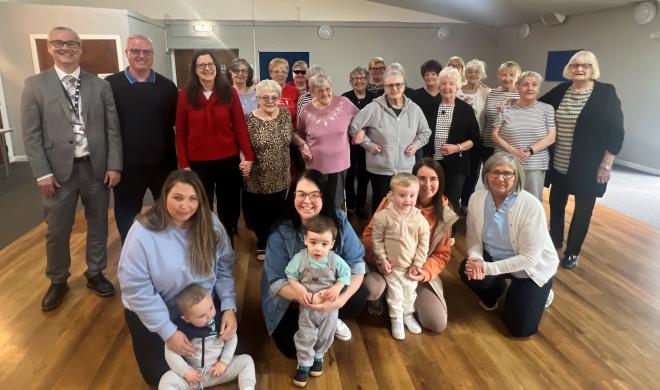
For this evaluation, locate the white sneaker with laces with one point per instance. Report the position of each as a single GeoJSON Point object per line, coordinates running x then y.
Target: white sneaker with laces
{"type": "Point", "coordinates": [397, 328]}
{"type": "Point", "coordinates": [551, 297]}
{"type": "Point", "coordinates": [343, 332]}
{"type": "Point", "coordinates": [411, 323]}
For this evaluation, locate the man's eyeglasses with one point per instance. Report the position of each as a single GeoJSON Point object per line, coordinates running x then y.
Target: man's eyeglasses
{"type": "Point", "coordinates": [393, 86]}
{"type": "Point", "coordinates": [60, 44]}
{"type": "Point", "coordinates": [506, 175]}
{"type": "Point", "coordinates": [144, 52]}
{"type": "Point", "coordinates": [210, 65]}
{"type": "Point", "coordinates": [313, 196]}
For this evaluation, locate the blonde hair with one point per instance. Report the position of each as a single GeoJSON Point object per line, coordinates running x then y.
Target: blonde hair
{"type": "Point", "coordinates": [478, 65]}
{"type": "Point", "coordinates": [587, 57]}
{"type": "Point", "coordinates": [276, 62]}
{"type": "Point", "coordinates": [452, 73]}
{"type": "Point", "coordinates": [461, 63]}
{"type": "Point", "coordinates": [268, 86]}
{"type": "Point", "coordinates": [376, 60]}
{"type": "Point", "coordinates": [510, 66]}
{"type": "Point", "coordinates": [403, 179]}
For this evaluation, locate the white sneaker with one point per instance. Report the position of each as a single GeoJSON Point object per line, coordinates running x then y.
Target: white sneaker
{"type": "Point", "coordinates": [411, 323]}
{"type": "Point", "coordinates": [551, 297]}
{"type": "Point", "coordinates": [397, 328]}
{"type": "Point", "coordinates": [343, 332]}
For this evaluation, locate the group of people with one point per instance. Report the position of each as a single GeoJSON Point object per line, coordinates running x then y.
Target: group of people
{"type": "Point", "coordinates": [290, 155]}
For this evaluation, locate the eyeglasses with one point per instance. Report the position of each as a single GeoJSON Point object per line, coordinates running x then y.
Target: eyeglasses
{"type": "Point", "coordinates": [378, 69]}
{"type": "Point", "coordinates": [359, 78]}
{"type": "Point", "coordinates": [240, 71]}
{"type": "Point", "coordinates": [576, 66]}
{"type": "Point", "coordinates": [301, 71]}
{"type": "Point", "coordinates": [313, 196]}
{"type": "Point", "coordinates": [393, 86]}
{"type": "Point", "coordinates": [267, 99]}
{"type": "Point", "coordinates": [506, 175]}
{"type": "Point", "coordinates": [209, 65]}
{"type": "Point", "coordinates": [60, 44]}
{"type": "Point", "coordinates": [137, 52]}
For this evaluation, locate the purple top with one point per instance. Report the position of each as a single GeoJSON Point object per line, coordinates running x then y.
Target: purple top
{"type": "Point", "coordinates": [326, 132]}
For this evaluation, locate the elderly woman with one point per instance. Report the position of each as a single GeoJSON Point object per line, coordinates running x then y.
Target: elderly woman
{"type": "Point", "coordinates": [430, 304]}
{"type": "Point", "coordinates": [507, 238]}
{"type": "Point", "coordinates": [323, 134]}
{"type": "Point", "coordinates": [409, 92]}
{"type": "Point", "coordinates": [360, 97]}
{"type": "Point", "coordinates": [175, 243]}
{"type": "Point", "coordinates": [377, 67]}
{"type": "Point", "coordinates": [241, 77]}
{"type": "Point", "coordinates": [278, 68]}
{"type": "Point", "coordinates": [270, 131]}
{"type": "Point", "coordinates": [308, 197]}
{"type": "Point", "coordinates": [457, 63]}
{"type": "Point", "coordinates": [526, 129]}
{"type": "Point", "coordinates": [210, 133]}
{"type": "Point", "coordinates": [306, 97]}
{"type": "Point", "coordinates": [454, 131]}
{"type": "Point", "coordinates": [474, 93]}
{"type": "Point", "coordinates": [299, 70]}
{"type": "Point", "coordinates": [390, 129]}
{"type": "Point", "coordinates": [507, 74]}
{"type": "Point", "coordinates": [589, 136]}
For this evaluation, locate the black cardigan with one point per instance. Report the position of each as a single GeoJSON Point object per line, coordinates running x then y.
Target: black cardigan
{"type": "Point", "coordinates": [599, 127]}
{"type": "Point", "coordinates": [464, 126]}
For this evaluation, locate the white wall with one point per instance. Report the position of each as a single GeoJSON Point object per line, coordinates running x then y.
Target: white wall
{"type": "Point", "coordinates": [154, 29]}
{"type": "Point", "coordinates": [628, 59]}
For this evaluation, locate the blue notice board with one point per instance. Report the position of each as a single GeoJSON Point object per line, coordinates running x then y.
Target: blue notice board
{"type": "Point", "coordinates": [557, 60]}
{"type": "Point", "coordinates": [291, 56]}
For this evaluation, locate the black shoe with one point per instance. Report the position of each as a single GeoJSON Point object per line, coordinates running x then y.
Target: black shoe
{"type": "Point", "coordinates": [300, 379]}
{"type": "Point", "coordinates": [101, 286]}
{"type": "Point", "coordinates": [317, 368]}
{"type": "Point", "coordinates": [54, 296]}
{"type": "Point", "coordinates": [362, 213]}
{"type": "Point", "coordinates": [569, 261]}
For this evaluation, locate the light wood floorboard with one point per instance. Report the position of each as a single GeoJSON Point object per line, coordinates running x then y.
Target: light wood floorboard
{"type": "Point", "coordinates": [602, 331]}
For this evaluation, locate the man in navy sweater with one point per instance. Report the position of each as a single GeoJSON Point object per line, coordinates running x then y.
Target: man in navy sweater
{"type": "Point", "coordinates": [146, 103]}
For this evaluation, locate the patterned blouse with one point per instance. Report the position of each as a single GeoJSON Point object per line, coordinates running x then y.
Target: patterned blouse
{"type": "Point", "coordinates": [270, 143]}
{"type": "Point", "coordinates": [442, 127]}
{"type": "Point", "coordinates": [567, 113]}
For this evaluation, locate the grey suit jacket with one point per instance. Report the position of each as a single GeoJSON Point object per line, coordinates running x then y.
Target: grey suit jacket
{"type": "Point", "coordinates": [47, 132]}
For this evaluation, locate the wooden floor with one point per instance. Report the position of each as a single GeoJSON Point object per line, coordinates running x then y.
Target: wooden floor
{"type": "Point", "coordinates": [602, 332]}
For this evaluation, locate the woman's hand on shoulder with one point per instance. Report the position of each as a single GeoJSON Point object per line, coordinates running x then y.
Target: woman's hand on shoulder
{"type": "Point", "coordinates": [179, 344]}
{"type": "Point", "coordinates": [228, 325]}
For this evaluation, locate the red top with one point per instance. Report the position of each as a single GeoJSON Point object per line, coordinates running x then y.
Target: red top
{"type": "Point", "coordinates": [212, 131]}
{"type": "Point", "coordinates": [289, 100]}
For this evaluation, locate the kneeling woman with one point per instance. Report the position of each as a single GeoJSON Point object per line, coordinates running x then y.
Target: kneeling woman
{"type": "Point", "coordinates": [507, 238]}
{"type": "Point", "coordinates": [308, 197]}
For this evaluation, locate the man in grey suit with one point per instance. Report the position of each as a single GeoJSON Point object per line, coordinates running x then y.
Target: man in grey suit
{"type": "Point", "coordinates": [72, 139]}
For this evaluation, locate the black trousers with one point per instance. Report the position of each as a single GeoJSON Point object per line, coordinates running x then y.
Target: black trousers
{"type": "Point", "coordinates": [263, 210]}
{"type": "Point", "coordinates": [577, 232]}
{"type": "Point", "coordinates": [288, 326]}
{"type": "Point", "coordinates": [129, 193]}
{"type": "Point", "coordinates": [149, 349]}
{"type": "Point", "coordinates": [486, 152]}
{"type": "Point", "coordinates": [524, 303]}
{"type": "Point", "coordinates": [472, 178]}
{"type": "Point", "coordinates": [380, 186]}
{"type": "Point", "coordinates": [223, 179]}
{"type": "Point", "coordinates": [357, 170]}
{"type": "Point", "coordinates": [453, 185]}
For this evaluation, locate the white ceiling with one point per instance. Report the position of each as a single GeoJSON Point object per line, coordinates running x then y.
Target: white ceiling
{"type": "Point", "coordinates": [503, 12]}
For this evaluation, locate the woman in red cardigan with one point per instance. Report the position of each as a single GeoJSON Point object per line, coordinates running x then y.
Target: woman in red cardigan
{"type": "Point", "coordinates": [210, 133]}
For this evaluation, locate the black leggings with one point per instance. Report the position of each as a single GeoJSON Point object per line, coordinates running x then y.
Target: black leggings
{"type": "Point", "coordinates": [380, 186]}
{"type": "Point", "coordinates": [288, 326]}
{"type": "Point", "coordinates": [577, 232]}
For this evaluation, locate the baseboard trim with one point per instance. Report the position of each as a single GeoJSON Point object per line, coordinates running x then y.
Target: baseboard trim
{"type": "Point", "coordinates": [19, 159]}
{"type": "Point", "coordinates": [638, 167]}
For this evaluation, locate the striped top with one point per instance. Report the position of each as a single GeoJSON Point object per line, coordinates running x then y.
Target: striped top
{"type": "Point", "coordinates": [522, 127]}
{"type": "Point", "coordinates": [442, 125]}
{"type": "Point", "coordinates": [567, 113]}
{"type": "Point", "coordinates": [302, 100]}
{"type": "Point", "coordinates": [495, 98]}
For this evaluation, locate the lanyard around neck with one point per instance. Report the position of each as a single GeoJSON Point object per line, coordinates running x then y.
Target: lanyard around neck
{"type": "Point", "coordinates": [74, 105]}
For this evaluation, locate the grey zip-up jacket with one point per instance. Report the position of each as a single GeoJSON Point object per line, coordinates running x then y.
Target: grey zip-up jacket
{"type": "Point", "coordinates": [393, 134]}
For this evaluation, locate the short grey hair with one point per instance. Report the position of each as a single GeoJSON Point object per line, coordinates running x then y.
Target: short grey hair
{"type": "Point", "coordinates": [394, 73]}
{"type": "Point", "coordinates": [141, 38]}
{"type": "Point", "coordinates": [587, 57]}
{"type": "Point", "coordinates": [358, 71]}
{"type": "Point", "coordinates": [299, 64]}
{"type": "Point", "coordinates": [63, 28]}
{"type": "Point", "coordinates": [512, 162]}
{"type": "Point", "coordinates": [451, 73]}
{"type": "Point", "coordinates": [319, 79]}
{"type": "Point", "coordinates": [399, 67]}
{"type": "Point", "coordinates": [314, 69]}
{"type": "Point", "coordinates": [478, 65]}
{"type": "Point", "coordinates": [529, 73]}
{"type": "Point", "coordinates": [265, 86]}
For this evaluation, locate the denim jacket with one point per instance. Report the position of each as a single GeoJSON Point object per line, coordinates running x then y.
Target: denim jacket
{"type": "Point", "coordinates": [283, 243]}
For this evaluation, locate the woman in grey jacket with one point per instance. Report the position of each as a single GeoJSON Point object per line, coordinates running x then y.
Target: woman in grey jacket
{"type": "Point", "coordinates": [390, 129]}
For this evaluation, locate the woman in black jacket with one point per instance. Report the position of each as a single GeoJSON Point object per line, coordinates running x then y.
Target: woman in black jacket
{"type": "Point", "coordinates": [454, 131]}
{"type": "Point", "coordinates": [589, 135]}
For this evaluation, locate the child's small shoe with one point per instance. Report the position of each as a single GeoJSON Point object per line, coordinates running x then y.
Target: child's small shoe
{"type": "Point", "coordinates": [317, 368]}
{"type": "Point", "coordinates": [397, 328]}
{"type": "Point", "coordinates": [412, 324]}
{"type": "Point", "coordinates": [300, 379]}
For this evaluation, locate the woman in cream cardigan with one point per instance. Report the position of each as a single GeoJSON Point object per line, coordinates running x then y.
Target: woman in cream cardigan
{"type": "Point", "coordinates": [507, 238]}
